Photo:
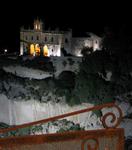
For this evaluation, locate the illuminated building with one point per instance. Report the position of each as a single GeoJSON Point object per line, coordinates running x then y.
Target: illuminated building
{"type": "Point", "coordinates": [38, 41]}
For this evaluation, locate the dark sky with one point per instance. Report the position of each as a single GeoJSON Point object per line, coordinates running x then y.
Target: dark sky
{"type": "Point", "coordinates": [91, 16]}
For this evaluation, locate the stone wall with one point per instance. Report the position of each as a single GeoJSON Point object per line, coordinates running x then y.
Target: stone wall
{"type": "Point", "coordinates": [66, 64]}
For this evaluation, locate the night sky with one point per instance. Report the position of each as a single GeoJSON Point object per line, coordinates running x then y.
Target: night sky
{"type": "Point", "coordinates": [89, 16]}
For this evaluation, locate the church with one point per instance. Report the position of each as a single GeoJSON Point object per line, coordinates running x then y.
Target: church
{"type": "Point", "coordinates": [41, 42]}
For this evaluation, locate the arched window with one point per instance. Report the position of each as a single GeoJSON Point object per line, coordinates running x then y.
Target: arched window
{"type": "Point", "coordinates": [32, 38]}
{"type": "Point", "coordinates": [32, 49]}
{"type": "Point", "coordinates": [66, 40]}
{"type": "Point", "coordinates": [45, 50]}
{"type": "Point", "coordinates": [36, 27]}
{"type": "Point", "coordinates": [37, 49]}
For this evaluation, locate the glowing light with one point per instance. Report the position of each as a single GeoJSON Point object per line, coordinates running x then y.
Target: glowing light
{"type": "Point", "coordinates": [32, 50]}
{"type": "Point", "coordinates": [37, 49]}
{"type": "Point", "coordinates": [45, 50]}
{"type": "Point", "coordinates": [36, 26]}
{"type": "Point", "coordinates": [21, 50]}
{"type": "Point", "coordinates": [95, 46]}
{"type": "Point", "coordinates": [5, 50]}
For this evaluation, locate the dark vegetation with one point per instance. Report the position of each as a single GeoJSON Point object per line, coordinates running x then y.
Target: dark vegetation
{"type": "Point", "coordinates": [62, 125]}
{"type": "Point", "coordinates": [90, 84]}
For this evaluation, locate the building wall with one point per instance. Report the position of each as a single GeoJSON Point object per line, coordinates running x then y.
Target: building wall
{"type": "Point", "coordinates": [52, 40]}
{"type": "Point", "coordinates": [56, 40]}
{"type": "Point", "coordinates": [68, 41]}
{"type": "Point", "coordinates": [79, 43]}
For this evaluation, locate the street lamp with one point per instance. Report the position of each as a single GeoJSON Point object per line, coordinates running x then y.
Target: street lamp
{"type": "Point", "coordinates": [5, 51]}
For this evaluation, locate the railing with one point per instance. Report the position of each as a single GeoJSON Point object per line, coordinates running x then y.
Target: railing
{"type": "Point", "coordinates": [87, 137]}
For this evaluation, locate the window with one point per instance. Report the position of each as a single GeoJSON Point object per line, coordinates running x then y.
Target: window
{"type": "Point", "coordinates": [45, 39]}
{"type": "Point", "coordinates": [37, 49]}
{"type": "Point", "coordinates": [32, 38]}
{"type": "Point", "coordinates": [39, 26]}
{"type": "Point", "coordinates": [37, 38]}
{"type": "Point", "coordinates": [36, 26]}
{"type": "Point", "coordinates": [52, 39]}
{"type": "Point", "coordinates": [66, 40]}
{"type": "Point", "coordinates": [26, 38]}
{"type": "Point", "coordinates": [32, 49]}
{"type": "Point", "coordinates": [45, 50]}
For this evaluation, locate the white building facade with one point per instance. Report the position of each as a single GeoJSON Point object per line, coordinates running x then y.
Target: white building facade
{"type": "Point", "coordinates": [40, 42]}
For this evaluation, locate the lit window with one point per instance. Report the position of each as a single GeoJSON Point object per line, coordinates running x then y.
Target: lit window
{"type": "Point", "coordinates": [32, 50]}
{"type": "Point", "coordinates": [45, 50]}
{"type": "Point", "coordinates": [37, 49]}
{"type": "Point", "coordinates": [36, 26]}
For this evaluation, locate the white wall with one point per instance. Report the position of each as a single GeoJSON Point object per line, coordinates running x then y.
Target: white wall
{"type": "Point", "coordinates": [6, 115]}
{"type": "Point", "coordinates": [79, 43]}
{"type": "Point", "coordinates": [25, 72]}
{"type": "Point", "coordinates": [19, 112]}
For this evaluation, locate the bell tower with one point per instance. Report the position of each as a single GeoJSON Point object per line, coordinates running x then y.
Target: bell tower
{"type": "Point", "coordinates": [38, 25]}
